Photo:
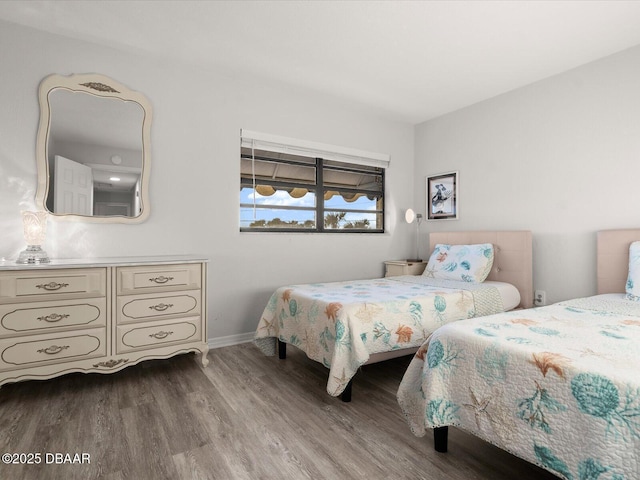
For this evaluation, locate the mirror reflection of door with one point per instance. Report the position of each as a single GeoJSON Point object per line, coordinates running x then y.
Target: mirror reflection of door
{"type": "Point", "coordinates": [72, 187]}
{"type": "Point", "coordinates": [105, 136]}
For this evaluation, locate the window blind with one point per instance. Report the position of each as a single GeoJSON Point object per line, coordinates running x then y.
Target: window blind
{"type": "Point", "coordinates": [293, 146]}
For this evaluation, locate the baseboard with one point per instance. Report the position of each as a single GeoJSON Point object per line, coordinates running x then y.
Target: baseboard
{"type": "Point", "coordinates": [230, 340]}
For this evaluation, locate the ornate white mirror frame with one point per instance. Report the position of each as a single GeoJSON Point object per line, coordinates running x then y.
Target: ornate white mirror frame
{"type": "Point", "coordinates": [106, 128]}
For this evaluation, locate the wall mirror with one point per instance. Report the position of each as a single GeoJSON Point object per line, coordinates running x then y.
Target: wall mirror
{"type": "Point", "coordinates": [93, 149]}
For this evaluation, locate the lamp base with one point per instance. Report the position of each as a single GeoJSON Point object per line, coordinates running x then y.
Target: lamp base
{"type": "Point", "coordinates": [33, 254]}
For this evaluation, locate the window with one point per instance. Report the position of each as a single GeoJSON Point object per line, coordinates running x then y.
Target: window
{"type": "Point", "coordinates": [281, 191]}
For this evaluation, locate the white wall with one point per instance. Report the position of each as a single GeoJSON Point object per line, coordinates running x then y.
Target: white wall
{"type": "Point", "coordinates": [195, 173]}
{"type": "Point", "coordinates": [560, 157]}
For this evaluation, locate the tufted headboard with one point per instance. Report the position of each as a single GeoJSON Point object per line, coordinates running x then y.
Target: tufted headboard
{"type": "Point", "coordinates": [612, 262]}
{"type": "Point", "coordinates": [513, 256]}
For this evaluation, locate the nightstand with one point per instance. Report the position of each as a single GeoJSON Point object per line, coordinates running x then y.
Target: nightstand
{"type": "Point", "coordinates": [394, 268]}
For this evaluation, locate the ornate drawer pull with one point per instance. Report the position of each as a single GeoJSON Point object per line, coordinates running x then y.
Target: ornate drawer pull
{"type": "Point", "coordinates": [53, 349]}
{"type": "Point", "coordinates": [54, 317]}
{"type": "Point", "coordinates": [52, 286]}
{"type": "Point", "coordinates": [160, 279]}
{"type": "Point", "coordinates": [160, 335]}
{"type": "Point", "coordinates": [111, 363]}
{"type": "Point", "coordinates": [161, 307]}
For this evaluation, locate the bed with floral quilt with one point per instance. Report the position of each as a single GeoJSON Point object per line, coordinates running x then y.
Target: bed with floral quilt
{"type": "Point", "coordinates": [558, 386]}
{"type": "Point", "coordinates": [344, 325]}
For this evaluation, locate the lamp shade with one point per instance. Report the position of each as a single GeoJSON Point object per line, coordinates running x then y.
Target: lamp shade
{"type": "Point", "coordinates": [409, 215]}
{"type": "Point", "coordinates": [35, 227]}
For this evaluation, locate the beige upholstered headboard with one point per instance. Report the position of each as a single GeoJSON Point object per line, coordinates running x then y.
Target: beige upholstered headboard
{"type": "Point", "coordinates": [613, 258]}
{"type": "Point", "coordinates": [513, 256]}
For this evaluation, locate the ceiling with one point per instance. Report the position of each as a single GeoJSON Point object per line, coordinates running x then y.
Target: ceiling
{"type": "Point", "coordinates": [406, 61]}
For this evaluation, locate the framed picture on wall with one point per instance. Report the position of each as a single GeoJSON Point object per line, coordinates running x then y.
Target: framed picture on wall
{"type": "Point", "coordinates": [442, 196]}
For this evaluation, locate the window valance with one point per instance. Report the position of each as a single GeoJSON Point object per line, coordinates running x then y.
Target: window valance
{"type": "Point", "coordinates": [293, 146]}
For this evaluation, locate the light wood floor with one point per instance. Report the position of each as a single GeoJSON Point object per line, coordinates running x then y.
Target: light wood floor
{"type": "Point", "coordinates": [245, 416]}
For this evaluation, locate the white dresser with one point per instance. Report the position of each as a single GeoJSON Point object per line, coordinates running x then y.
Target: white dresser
{"type": "Point", "coordinates": [99, 315]}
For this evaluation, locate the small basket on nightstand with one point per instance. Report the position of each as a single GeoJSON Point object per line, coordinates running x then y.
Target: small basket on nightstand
{"type": "Point", "coordinates": [394, 268]}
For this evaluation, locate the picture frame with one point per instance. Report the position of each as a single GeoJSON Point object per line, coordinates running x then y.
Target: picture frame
{"type": "Point", "coordinates": [442, 196]}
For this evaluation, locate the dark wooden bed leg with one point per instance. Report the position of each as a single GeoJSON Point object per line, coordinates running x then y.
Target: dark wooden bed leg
{"type": "Point", "coordinates": [282, 350]}
{"type": "Point", "coordinates": [440, 438]}
{"type": "Point", "coordinates": [346, 393]}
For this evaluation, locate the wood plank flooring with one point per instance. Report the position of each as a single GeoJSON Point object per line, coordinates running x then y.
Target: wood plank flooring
{"type": "Point", "coordinates": [245, 416]}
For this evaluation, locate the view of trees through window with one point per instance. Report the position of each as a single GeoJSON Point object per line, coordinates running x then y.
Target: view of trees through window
{"type": "Point", "coordinates": [331, 220]}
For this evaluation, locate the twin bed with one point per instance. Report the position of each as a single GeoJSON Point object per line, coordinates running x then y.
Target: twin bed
{"type": "Point", "coordinates": [344, 325]}
{"type": "Point", "coordinates": [558, 386]}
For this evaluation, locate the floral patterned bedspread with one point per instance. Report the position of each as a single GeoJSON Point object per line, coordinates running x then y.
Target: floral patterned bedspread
{"type": "Point", "coordinates": [341, 323]}
{"type": "Point", "coordinates": [558, 386]}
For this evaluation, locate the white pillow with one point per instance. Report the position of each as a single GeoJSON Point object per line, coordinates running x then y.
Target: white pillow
{"type": "Point", "coordinates": [469, 263]}
{"type": "Point", "coordinates": [633, 279]}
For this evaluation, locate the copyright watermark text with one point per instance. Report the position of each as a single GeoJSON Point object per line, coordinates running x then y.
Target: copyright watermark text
{"type": "Point", "coordinates": [47, 458]}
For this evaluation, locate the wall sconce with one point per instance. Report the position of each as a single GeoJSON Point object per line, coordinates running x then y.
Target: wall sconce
{"type": "Point", "coordinates": [410, 216]}
{"type": "Point", "coordinates": [35, 231]}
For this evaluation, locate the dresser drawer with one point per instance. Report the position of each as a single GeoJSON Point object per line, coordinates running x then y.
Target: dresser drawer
{"type": "Point", "coordinates": [52, 348]}
{"type": "Point", "coordinates": [159, 278]}
{"type": "Point", "coordinates": [157, 334]}
{"type": "Point", "coordinates": [52, 283]}
{"type": "Point", "coordinates": [39, 317]}
{"type": "Point", "coordinates": [133, 308]}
